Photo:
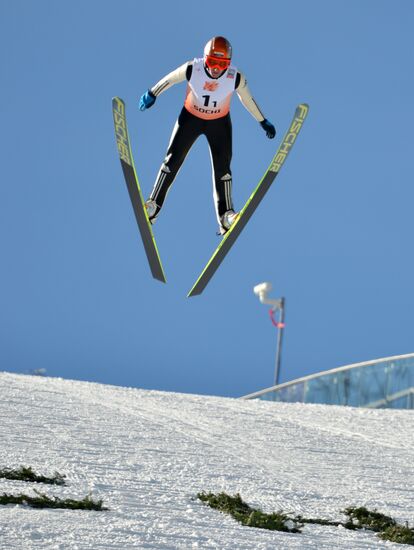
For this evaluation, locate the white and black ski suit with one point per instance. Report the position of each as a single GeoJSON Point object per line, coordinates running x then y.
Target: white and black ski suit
{"type": "Point", "coordinates": [206, 111]}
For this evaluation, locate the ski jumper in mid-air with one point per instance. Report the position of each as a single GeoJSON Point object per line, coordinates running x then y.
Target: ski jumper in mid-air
{"type": "Point", "coordinates": [211, 82]}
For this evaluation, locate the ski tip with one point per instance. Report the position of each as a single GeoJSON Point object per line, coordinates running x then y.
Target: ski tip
{"type": "Point", "coordinates": [117, 100]}
{"type": "Point", "coordinates": [304, 108]}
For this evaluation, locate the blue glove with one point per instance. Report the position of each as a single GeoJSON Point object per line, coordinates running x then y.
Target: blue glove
{"type": "Point", "coordinates": [147, 100]}
{"type": "Point", "coordinates": [268, 128]}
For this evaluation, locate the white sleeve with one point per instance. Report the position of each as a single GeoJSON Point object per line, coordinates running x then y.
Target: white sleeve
{"type": "Point", "coordinates": [179, 75]}
{"type": "Point", "coordinates": [247, 99]}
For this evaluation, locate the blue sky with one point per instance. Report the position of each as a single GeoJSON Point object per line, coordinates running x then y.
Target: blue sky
{"type": "Point", "coordinates": [334, 235]}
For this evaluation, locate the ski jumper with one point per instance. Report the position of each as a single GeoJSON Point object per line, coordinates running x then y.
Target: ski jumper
{"type": "Point", "coordinates": [206, 111]}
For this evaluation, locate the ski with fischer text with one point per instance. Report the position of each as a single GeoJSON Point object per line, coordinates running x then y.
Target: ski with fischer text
{"type": "Point", "coordinates": [135, 194]}
{"type": "Point", "coordinates": [253, 202]}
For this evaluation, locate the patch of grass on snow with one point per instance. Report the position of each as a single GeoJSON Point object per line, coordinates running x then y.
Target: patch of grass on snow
{"type": "Point", "coordinates": [361, 518]}
{"type": "Point", "coordinates": [43, 501]}
{"type": "Point", "coordinates": [398, 533]}
{"type": "Point", "coordinates": [246, 515]}
{"type": "Point", "coordinates": [358, 518]}
{"type": "Point", "coordinates": [27, 474]}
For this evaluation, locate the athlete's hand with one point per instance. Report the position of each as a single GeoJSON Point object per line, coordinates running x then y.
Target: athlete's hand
{"type": "Point", "coordinates": [268, 128]}
{"type": "Point", "coordinates": [147, 100]}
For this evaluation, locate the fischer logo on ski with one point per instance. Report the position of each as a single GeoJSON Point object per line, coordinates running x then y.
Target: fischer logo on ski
{"type": "Point", "coordinates": [121, 131]}
{"type": "Point", "coordinates": [290, 138]}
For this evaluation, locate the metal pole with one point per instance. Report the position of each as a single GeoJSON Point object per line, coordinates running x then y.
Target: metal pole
{"type": "Point", "coordinates": [279, 340]}
{"type": "Point", "coordinates": [262, 290]}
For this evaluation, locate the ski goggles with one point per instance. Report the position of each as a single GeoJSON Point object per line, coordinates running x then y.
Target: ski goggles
{"type": "Point", "coordinates": [217, 62]}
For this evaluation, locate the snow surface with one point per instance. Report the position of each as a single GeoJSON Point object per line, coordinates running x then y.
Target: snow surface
{"type": "Point", "coordinates": [147, 454]}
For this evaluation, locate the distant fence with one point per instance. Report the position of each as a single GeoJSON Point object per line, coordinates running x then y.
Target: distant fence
{"type": "Point", "coordinates": [382, 383]}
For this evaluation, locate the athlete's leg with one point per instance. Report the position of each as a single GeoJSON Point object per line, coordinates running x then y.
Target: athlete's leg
{"type": "Point", "coordinates": [219, 136]}
{"type": "Point", "coordinates": [185, 132]}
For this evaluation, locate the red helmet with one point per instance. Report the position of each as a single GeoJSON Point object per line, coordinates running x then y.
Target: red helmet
{"type": "Point", "coordinates": [217, 53]}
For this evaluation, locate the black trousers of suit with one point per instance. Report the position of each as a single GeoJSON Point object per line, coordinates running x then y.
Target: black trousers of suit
{"type": "Point", "coordinates": [219, 137]}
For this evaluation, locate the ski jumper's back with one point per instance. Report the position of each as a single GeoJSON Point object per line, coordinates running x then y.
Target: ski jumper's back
{"type": "Point", "coordinates": [206, 97]}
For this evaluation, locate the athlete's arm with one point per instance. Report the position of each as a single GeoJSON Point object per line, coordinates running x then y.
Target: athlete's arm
{"type": "Point", "coordinates": [246, 97]}
{"type": "Point", "coordinates": [179, 75]}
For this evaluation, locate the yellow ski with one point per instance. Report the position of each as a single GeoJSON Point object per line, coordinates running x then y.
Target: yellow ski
{"type": "Point", "coordinates": [131, 179]}
{"type": "Point", "coordinates": [253, 201]}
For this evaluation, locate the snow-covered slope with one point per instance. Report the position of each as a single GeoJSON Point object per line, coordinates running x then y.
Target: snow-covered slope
{"type": "Point", "coordinates": [147, 454]}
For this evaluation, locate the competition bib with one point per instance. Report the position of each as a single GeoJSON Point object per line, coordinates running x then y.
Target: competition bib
{"type": "Point", "coordinates": [207, 97]}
